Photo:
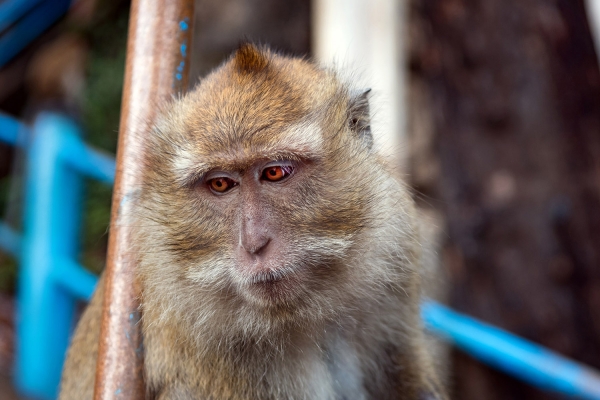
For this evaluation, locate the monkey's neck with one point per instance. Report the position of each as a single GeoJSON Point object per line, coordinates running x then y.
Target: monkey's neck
{"type": "Point", "coordinates": [265, 368]}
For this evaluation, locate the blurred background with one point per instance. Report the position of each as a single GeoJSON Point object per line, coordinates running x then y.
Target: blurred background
{"type": "Point", "coordinates": [496, 125]}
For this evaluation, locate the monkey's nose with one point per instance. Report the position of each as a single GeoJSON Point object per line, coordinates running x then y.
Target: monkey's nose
{"type": "Point", "coordinates": [255, 244]}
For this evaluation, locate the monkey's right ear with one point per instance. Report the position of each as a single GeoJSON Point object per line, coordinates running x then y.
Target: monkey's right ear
{"type": "Point", "coordinates": [359, 118]}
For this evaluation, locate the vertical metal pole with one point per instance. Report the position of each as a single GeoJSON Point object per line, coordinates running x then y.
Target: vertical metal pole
{"type": "Point", "coordinates": [366, 37]}
{"type": "Point", "coordinates": [157, 64]}
{"type": "Point", "coordinates": [593, 14]}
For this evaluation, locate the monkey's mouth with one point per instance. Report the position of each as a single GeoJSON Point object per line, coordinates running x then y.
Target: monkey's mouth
{"type": "Point", "coordinates": [270, 287]}
{"type": "Point", "coordinates": [267, 277]}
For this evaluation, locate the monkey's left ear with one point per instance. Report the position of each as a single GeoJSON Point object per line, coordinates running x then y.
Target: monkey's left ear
{"type": "Point", "coordinates": [359, 118]}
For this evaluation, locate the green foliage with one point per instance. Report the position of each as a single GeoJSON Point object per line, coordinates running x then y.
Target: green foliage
{"type": "Point", "coordinates": [8, 273]}
{"type": "Point", "coordinates": [100, 110]}
{"type": "Point", "coordinates": [4, 186]}
{"type": "Point", "coordinates": [104, 83]}
{"type": "Point", "coordinates": [8, 266]}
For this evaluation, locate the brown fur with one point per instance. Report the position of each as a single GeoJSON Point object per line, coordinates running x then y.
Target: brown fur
{"type": "Point", "coordinates": [344, 320]}
{"type": "Point", "coordinates": [247, 59]}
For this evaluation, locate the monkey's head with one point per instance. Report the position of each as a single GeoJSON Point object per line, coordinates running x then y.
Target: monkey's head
{"type": "Point", "coordinates": [263, 201]}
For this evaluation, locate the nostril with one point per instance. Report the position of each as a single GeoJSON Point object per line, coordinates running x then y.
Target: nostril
{"type": "Point", "coordinates": [256, 247]}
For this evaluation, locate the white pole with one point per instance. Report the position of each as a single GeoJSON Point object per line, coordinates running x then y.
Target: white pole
{"type": "Point", "coordinates": [593, 13]}
{"type": "Point", "coordinates": [365, 37]}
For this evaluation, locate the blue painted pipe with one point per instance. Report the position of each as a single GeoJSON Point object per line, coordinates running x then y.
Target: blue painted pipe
{"type": "Point", "coordinates": [511, 354]}
{"type": "Point", "coordinates": [73, 277]}
{"type": "Point", "coordinates": [88, 161]}
{"type": "Point", "coordinates": [53, 197]}
{"type": "Point", "coordinates": [50, 279]}
{"type": "Point", "coordinates": [11, 130]}
{"type": "Point", "coordinates": [12, 10]}
{"type": "Point", "coordinates": [39, 18]}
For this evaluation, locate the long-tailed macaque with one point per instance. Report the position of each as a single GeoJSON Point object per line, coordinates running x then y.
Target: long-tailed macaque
{"type": "Point", "coordinates": [278, 257]}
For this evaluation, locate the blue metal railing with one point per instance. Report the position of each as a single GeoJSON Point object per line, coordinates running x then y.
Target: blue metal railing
{"type": "Point", "coordinates": [516, 356]}
{"type": "Point", "coordinates": [51, 280]}
{"type": "Point", "coordinates": [21, 21]}
{"type": "Point", "coordinates": [13, 10]}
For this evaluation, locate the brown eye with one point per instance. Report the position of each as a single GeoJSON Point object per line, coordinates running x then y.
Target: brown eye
{"type": "Point", "coordinates": [276, 172]}
{"type": "Point", "coordinates": [221, 185]}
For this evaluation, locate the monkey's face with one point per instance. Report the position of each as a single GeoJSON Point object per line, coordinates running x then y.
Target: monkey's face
{"type": "Point", "coordinates": [270, 225]}
{"type": "Point", "coordinates": [256, 194]}
{"type": "Point", "coordinates": [270, 257]}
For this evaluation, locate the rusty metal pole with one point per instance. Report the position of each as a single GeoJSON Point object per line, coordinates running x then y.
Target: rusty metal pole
{"type": "Point", "coordinates": [157, 64]}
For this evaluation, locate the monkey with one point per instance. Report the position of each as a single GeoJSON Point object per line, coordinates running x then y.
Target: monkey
{"type": "Point", "coordinates": [278, 255]}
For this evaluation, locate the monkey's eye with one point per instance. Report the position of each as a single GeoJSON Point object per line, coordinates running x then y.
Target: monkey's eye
{"type": "Point", "coordinates": [221, 185]}
{"type": "Point", "coordinates": [276, 173]}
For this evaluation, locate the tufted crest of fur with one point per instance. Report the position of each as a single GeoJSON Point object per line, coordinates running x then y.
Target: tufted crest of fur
{"type": "Point", "coordinates": [248, 58]}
